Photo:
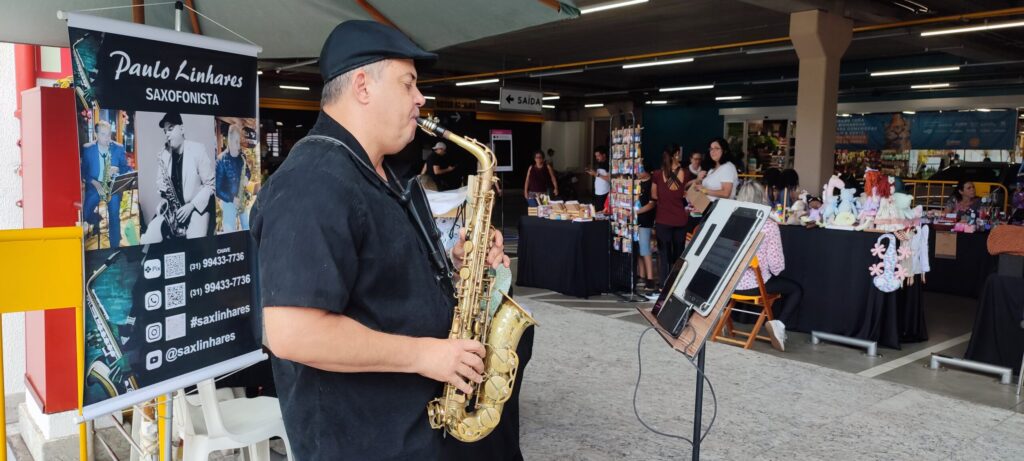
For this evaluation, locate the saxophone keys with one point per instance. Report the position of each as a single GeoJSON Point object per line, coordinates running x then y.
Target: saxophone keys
{"type": "Point", "coordinates": [497, 389]}
{"type": "Point", "coordinates": [489, 417]}
{"type": "Point", "coordinates": [467, 247]}
{"type": "Point", "coordinates": [464, 273]}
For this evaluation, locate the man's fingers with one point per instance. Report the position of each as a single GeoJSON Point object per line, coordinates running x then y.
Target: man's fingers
{"type": "Point", "coordinates": [474, 347]}
{"type": "Point", "coordinates": [474, 362]}
{"type": "Point", "coordinates": [469, 373]}
{"type": "Point", "coordinates": [461, 384]}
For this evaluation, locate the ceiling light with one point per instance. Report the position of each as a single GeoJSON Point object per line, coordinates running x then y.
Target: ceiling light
{"type": "Point", "coordinates": [550, 98]}
{"type": "Point", "coordinates": [593, 106]}
{"type": "Point", "coordinates": [477, 82]}
{"type": "Point", "coordinates": [292, 87]}
{"type": "Point", "coordinates": [929, 85]}
{"type": "Point", "coordinates": [548, 106]}
{"type": "Point", "coordinates": [493, 103]}
{"type": "Point", "coordinates": [657, 63]}
{"type": "Point", "coordinates": [772, 49]}
{"type": "Point", "coordinates": [610, 5]}
{"type": "Point", "coordinates": [553, 73]}
{"type": "Point", "coordinates": [957, 30]}
{"type": "Point", "coordinates": [606, 93]}
{"type": "Point", "coordinates": [909, 112]}
{"type": "Point", "coordinates": [728, 98]}
{"type": "Point", "coordinates": [920, 70]}
{"type": "Point", "coordinates": [844, 115]}
{"type": "Point", "coordinates": [430, 98]}
{"type": "Point", "coordinates": [657, 102]}
{"type": "Point", "coordinates": [687, 88]}
{"type": "Point", "coordinates": [984, 110]}
{"type": "Point", "coordinates": [259, 72]}
{"type": "Point", "coordinates": [279, 123]}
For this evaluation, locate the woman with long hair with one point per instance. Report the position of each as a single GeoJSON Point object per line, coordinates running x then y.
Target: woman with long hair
{"type": "Point", "coordinates": [721, 180]}
{"type": "Point", "coordinates": [668, 192]}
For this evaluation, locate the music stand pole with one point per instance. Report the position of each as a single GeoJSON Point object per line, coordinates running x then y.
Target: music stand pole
{"type": "Point", "coordinates": [698, 405]}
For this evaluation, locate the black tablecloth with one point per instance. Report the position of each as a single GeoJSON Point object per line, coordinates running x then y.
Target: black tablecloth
{"type": "Point", "coordinates": [997, 337]}
{"type": "Point", "coordinates": [965, 275]}
{"type": "Point", "coordinates": [564, 256]}
{"type": "Point", "coordinates": [838, 296]}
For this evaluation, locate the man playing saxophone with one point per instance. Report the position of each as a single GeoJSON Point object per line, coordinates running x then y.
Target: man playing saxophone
{"type": "Point", "coordinates": [102, 161]}
{"type": "Point", "coordinates": [356, 303]}
{"type": "Point", "coordinates": [185, 178]}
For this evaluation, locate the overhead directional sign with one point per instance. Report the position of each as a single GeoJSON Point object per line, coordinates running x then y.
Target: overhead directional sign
{"type": "Point", "coordinates": [520, 101]}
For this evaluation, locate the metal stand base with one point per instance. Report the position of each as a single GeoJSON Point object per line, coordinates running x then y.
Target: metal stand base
{"type": "Point", "coordinates": [698, 406]}
{"type": "Point", "coordinates": [870, 346]}
{"type": "Point", "coordinates": [1003, 372]}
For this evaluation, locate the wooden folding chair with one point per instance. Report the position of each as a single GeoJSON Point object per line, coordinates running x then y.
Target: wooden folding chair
{"type": "Point", "coordinates": [763, 299]}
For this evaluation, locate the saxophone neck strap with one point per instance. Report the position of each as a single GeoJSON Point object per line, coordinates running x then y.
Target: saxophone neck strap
{"type": "Point", "coordinates": [407, 196]}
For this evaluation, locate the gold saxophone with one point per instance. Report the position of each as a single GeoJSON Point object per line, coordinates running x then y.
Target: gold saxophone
{"type": "Point", "coordinates": [472, 417]}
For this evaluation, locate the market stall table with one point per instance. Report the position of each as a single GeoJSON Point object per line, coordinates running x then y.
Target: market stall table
{"type": "Point", "coordinates": [564, 256]}
{"type": "Point", "coordinates": [838, 294]}
{"type": "Point", "coordinates": [965, 274]}
{"type": "Point", "coordinates": [998, 335]}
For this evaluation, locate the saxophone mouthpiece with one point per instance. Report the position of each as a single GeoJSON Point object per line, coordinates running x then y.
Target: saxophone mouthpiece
{"type": "Point", "coordinates": [430, 126]}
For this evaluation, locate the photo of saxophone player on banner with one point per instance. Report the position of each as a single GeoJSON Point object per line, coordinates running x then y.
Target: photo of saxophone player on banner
{"type": "Point", "coordinates": [238, 172]}
{"type": "Point", "coordinates": [176, 175]}
{"type": "Point", "coordinates": [109, 182]}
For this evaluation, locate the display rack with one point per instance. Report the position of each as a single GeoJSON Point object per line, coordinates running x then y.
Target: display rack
{"type": "Point", "coordinates": [624, 164]}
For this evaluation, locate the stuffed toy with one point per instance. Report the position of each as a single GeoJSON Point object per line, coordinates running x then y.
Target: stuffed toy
{"type": "Point", "coordinates": [888, 275]}
{"type": "Point", "coordinates": [798, 211]}
{"type": "Point", "coordinates": [813, 211]}
{"type": "Point", "coordinates": [847, 204]}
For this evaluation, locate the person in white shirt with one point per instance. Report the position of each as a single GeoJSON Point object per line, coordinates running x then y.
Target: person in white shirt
{"type": "Point", "coordinates": [602, 179]}
{"type": "Point", "coordinates": [722, 179]}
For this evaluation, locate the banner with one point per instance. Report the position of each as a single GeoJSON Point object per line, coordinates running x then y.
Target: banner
{"type": "Point", "coordinates": [169, 156]}
{"type": "Point", "coordinates": [873, 132]}
{"type": "Point", "coordinates": [964, 130]}
{"type": "Point", "coordinates": [927, 130]}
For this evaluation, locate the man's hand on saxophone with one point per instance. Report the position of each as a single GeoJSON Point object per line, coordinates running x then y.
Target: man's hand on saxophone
{"type": "Point", "coordinates": [454, 361]}
{"type": "Point", "coordinates": [184, 212]}
{"type": "Point", "coordinates": [495, 257]}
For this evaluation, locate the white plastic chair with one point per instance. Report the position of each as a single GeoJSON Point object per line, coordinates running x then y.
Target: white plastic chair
{"type": "Point", "coordinates": [224, 425]}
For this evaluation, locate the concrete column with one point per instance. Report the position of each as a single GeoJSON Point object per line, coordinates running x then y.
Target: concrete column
{"type": "Point", "coordinates": [820, 39]}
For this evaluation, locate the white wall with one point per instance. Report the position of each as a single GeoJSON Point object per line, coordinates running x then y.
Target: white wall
{"type": "Point", "coordinates": [569, 141]}
{"type": "Point", "coordinates": [10, 214]}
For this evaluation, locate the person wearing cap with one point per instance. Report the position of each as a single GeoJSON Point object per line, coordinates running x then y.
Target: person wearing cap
{"type": "Point", "coordinates": [186, 176]}
{"type": "Point", "coordinates": [441, 168]}
{"type": "Point", "coordinates": [356, 303]}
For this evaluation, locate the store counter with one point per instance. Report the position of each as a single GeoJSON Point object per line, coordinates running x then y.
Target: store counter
{"type": "Point", "coordinates": [965, 274]}
{"type": "Point", "coordinates": [838, 294]}
{"type": "Point", "coordinates": [564, 256]}
{"type": "Point", "coordinates": [998, 335]}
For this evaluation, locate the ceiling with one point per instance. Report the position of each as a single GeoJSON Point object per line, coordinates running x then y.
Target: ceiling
{"type": "Point", "coordinates": [991, 60]}
{"type": "Point", "coordinates": [486, 36]}
{"type": "Point", "coordinates": [293, 28]}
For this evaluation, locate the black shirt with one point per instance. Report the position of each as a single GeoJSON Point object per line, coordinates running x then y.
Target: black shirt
{"type": "Point", "coordinates": [444, 181]}
{"type": "Point", "coordinates": [176, 159]}
{"type": "Point", "coordinates": [645, 219]}
{"type": "Point", "coordinates": [331, 236]}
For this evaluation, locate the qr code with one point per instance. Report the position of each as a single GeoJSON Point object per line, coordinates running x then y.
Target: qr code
{"type": "Point", "coordinates": [174, 295]}
{"type": "Point", "coordinates": [174, 265]}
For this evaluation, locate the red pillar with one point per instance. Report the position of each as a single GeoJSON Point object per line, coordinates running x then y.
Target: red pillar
{"type": "Point", "coordinates": [51, 196]}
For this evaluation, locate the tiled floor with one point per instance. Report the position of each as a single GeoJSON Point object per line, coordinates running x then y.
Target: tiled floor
{"type": "Point", "coordinates": [949, 320]}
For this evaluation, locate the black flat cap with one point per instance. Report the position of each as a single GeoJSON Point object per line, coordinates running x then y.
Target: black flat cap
{"type": "Point", "coordinates": [354, 44]}
{"type": "Point", "coordinates": [173, 118]}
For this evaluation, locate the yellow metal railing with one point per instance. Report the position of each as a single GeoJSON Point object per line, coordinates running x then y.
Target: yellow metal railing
{"type": "Point", "coordinates": [934, 194]}
{"type": "Point", "coordinates": [42, 269]}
